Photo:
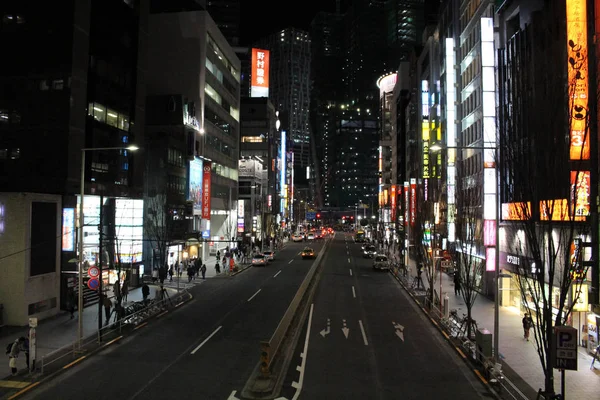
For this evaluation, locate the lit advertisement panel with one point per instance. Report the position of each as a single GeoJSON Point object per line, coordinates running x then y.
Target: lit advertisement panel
{"type": "Point", "coordinates": [577, 50]}
{"type": "Point", "coordinates": [425, 128]}
{"type": "Point", "coordinates": [406, 203]}
{"type": "Point", "coordinates": [259, 85]}
{"type": "Point", "coordinates": [386, 83]}
{"type": "Point", "coordinates": [195, 184]}
{"type": "Point", "coordinates": [393, 203]}
{"type": "Point", "coordinates": [68, 229]}
{"type": "Point", "coordinates": [206, 192]}
{"type": "Point", "coordinates": [282, 172]}
{"type": "Point", "coordinates": [129, 228]}
{"type": "Point", "coordinates": [580, 188]}
{"type": "Point", "coordinates": [413, 201]}
{"type": "Point", "coordinates": [450, 59]}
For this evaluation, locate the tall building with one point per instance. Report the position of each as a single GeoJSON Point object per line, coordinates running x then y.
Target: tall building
{"type": "Point", "coordinates": [289, 91]}
{"type": "Point", "coordinates": [227, 14]}
{"type": "Point", "coordinates": [327, 89]}
{"type": "Point", "coordinates": [210, 88]}
{"type": "Point", "coordinates": [72, 82]}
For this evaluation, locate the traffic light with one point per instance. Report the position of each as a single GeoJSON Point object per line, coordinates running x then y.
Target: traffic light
{"type": "Point", "coordinates": [318, 215]}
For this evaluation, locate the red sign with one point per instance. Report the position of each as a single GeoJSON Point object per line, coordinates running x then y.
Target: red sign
{"type": "Point", "coordinates": [393, 201]}
{"type": "Point", "coordinates": [93, 283]}
{"type": "Point", "coordinates": [260, 68]}
{"type": "Point", "coordinates": [413, 201]}
{"type": "Point", "coordinates": [206, 189]}
{"type": "Point", "coordinates": [93, 272]}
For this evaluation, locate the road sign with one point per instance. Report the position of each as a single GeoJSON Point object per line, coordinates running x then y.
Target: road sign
{"type": "Point", "coordinates": [565, 348]}
{"type": "Point", "coordinates": [311, 215]}
{"type": "Point", "coordinates": [93, 272]}
{"type": "Point", "coordinates": [93, 283]}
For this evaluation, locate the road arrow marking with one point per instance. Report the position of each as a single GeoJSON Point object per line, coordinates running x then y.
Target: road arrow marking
{"type": "Point", "coordinates": [345, 329]}
{"type": "Point", "coordinates": [399, 330]}
{"type": "Point", "coordinates": [327, 330]}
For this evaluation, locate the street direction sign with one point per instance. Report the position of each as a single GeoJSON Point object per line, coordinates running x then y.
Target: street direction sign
{"type": "Point", "coordinates": [311, 215]}
{"type": "Point", "coordinates": [345, 329]}
{"type": "Point", "coordinates": [93, 283]}
{"type": "Point", "coordinates": [399, 330]}
{"type": "Point", "coordinates": [93, 272]}
{"type": "Point", "coordinates": [565, 348]}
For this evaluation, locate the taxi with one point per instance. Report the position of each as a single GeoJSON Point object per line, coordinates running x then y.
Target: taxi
{"type": "Point", "coordinates": [308, 252]}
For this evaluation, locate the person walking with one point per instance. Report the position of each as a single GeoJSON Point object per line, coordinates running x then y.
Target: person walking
{"type": "Point", "coordinates": [203, 271]}
{"type": "Point", "coordinates": [171, 272]}
{"type": "Point", "coordinates": [218, 267]}
{"type": "Point", "coordinates": [145, 292]}
{"type": "Point", "coordinates": [231, 265]}
{"type": "Point", "coordinates": [527, 324]}
{"type": "Point", "coordinates": [107, 306]}
{"type": "Point", "coordinates": [71, 302]}
{"type": "Point", "coordinates": [125, 290]}
{"type": "Point", "coordinates": [456, 283]}
{"type": "Point", "coordinates": [13, 354]}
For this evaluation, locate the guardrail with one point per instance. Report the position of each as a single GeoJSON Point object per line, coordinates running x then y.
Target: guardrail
{"type": "Point", "coordinates": [269, 349]}
{"type": "Point", "coordinates": [67, 353]}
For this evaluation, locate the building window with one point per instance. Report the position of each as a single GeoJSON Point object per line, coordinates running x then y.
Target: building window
{"type": "Point", "coordinates": [58, 84]}
{"type": "Point", "coordinates": [99, 112]}
{"type": "Point", "coordinates": [123, 123]}
{"type": "Point", "coordinates": [112, 118]}
{"type": "Point", "coordinates": [15, 153]}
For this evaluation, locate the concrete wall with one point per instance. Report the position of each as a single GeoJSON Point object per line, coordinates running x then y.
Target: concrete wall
{"type": "Point", "coordinates": [17, 288]}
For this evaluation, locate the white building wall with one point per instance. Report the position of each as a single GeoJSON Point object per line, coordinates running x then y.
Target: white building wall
{"type": "Point", "coordinates": [17, 288]}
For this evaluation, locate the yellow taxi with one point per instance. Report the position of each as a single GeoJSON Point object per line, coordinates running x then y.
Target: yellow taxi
{"type": "Point", "coordinates": [308, 252]}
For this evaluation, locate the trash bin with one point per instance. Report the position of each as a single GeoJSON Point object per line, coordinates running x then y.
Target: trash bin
{"type": "Point", "coordinates": [483, 340]}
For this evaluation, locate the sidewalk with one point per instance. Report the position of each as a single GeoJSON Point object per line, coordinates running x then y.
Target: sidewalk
{"type": "Point", "coordinates": [59, 331]}
{"type": "Point", "coordinates": [519, 355]}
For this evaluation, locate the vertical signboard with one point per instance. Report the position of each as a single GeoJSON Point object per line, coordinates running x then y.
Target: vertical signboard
{"type": "Point", "coordinates": [577, 54]}
{"type": "Point", "coordinates": [406, 204]}
{"type": "Point", "coordinates": [259, 86]}
{"type": "Point", "coordinates": [282, 172]}
{"type": "Point", "coordinates": [68, 229]}
{"type": "Point", "coordinates": [206, 170]}
{"type": "Point", "coordinates": [413, 201]}
{"type": "Point", "coordinates": [195, 184]}
{"type": "Point", "coordinates": [393, 203]}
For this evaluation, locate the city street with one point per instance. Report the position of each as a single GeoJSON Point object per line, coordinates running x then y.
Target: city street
{"type": "Point", "coordinates": [204, 350]}
{"type": "Point", "coordinates": [368, 340]}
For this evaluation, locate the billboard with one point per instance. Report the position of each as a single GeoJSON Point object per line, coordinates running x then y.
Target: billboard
{"type": "Point", "coordinates": [282, 172]}
{"type": "Point", "coordinates": [68, 229]}
{"type": "Point", "coordinates": [195, 184]}
{"type": "Point", "coordinates": [248, 169]}
{"type": "Point", "coordinates": [206, 170]}
{"type": "Point", "coordinates": [259, 85]}
{"type": "Point", "coordinates": [577, 67]}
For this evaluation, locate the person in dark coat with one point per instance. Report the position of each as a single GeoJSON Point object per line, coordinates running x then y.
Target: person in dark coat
{"type": "Point", "coordinates": [203, 271]}
{"type": "Point", "coordinates": [456, 283]}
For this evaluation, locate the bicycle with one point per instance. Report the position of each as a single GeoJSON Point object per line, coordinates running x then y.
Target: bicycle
{"type": "Point", "coordinates": [417, 283]}
{"type": "Point", "coordinates": [465, 324]}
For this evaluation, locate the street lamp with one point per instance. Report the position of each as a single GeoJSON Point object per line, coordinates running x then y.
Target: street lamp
{"type": "Point", "coordinates": [80, 244]}
{"type": "Point", "coordinates": [436, 148]}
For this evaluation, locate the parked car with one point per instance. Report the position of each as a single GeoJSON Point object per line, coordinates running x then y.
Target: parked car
{"type": "Point", "coordinates": [381, 263]}
{"type": "Point", "coordinates": [308, 252]}
{"type": "Point", "coordinates": [270, 255]}
{"type": "Point", "coordinates": [370, 251]}
{"type": "Point", "coordinates": [259, 260]}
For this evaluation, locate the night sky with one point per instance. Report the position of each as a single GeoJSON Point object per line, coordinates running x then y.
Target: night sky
{"type": "Point", "coordinates": [265, 17]}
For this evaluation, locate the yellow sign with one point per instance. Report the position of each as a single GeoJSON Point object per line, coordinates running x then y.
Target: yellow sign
{"type": "Point", "coordinates": [577, 54]}
{"type": "Point", "coordinates": [580, 297]}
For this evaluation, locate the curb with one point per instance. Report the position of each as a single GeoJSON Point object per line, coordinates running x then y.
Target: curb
{"type": "Point", "coordinates": [449, 340]}
{"type": "Point", "coordinates": [44, 379]}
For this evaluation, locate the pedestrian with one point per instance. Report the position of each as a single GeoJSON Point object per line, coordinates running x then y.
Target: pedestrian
{"type": "Point", "coordinates": [145, 292]}
{"type": "Point", "coordinates": [190, 273]}
{"type": "Point", "coordinates": [527, 324]}
{"type": "Point", "coordinates": [71, 302]}
{"type": "Point", "coordinates": [171, 272]}
{"type": "Point", "coordinates": [107, 306]}
{"type": "Point", "coordinates": [419, 279]}
{"type": "Point", "coordinates": [203, 270]}
{"type": "Point", "coordinates": [218, 267]}
{"type": "Point", "coordinates": [125, 290]}
{"type": "Point", "coordinates": [224, 263]}
{"type": "Point", "coordinates": [14, 354]}
{"type": "Point", "coordinates": [117, 290]}
{"type": "Point", "coordinates": [218, 254]}
{"type": "Point", "coordinates": [231, 264]}
{"type": "Point", "coordinates": [456, 283]}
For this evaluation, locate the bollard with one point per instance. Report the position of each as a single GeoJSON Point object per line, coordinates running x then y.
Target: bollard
{"type": "Point", "coordinates": [446, 306]}
{"type": "Point", "coordinates": [265, 359]}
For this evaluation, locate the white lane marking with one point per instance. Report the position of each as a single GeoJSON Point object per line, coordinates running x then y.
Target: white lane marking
{"type": "Point", "coordinates": [232, 396]}
{"type": "Point", "coordinates": [353, 292]}
{"type": "Point", "coordinates": [364, 335]}
{"type": "Point", "coordinates": [275, 276]}
{"type": "Point", "coordinates": [254, 295]}
{"type": "Point", "coordinates": [348, 260]}
{"type": "Point", "coordinates": [301, 368]}
{"type": "Point", "coordinates": [291, 261]}
{"type": "Point", "coordinates": [206, 340]}
{"type": "Point", "coordinates": [350, 271]}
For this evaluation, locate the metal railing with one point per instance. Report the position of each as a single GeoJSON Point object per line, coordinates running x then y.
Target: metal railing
{"type": "Point", "coordinates": [110, 333]}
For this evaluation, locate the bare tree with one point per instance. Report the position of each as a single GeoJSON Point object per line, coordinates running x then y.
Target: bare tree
{"type": "Point", "coordinates": [159, 227]}
{"type": "Point", "coordinates": [544, 133]}
{"type": "Point", "coordinates": [468, 264]}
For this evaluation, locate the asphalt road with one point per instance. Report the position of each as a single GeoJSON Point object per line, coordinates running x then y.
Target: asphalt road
{"type": "Point", "coordinates": [203, 350]}
{"type": "Point", "coordinates": [368, 340]}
